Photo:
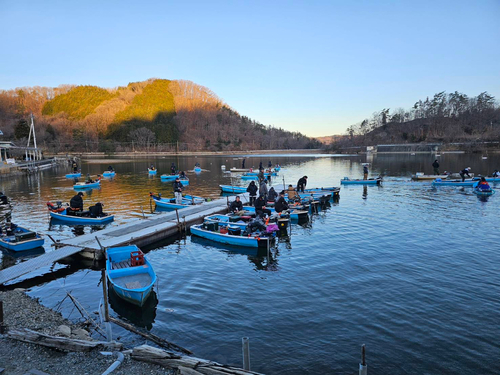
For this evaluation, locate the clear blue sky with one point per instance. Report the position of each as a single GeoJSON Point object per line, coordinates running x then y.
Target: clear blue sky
{"type": "Point", "coordinates": [311, 66]}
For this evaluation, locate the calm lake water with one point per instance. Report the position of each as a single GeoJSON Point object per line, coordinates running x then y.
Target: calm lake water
{"type": "Point", "coordinates": [409, 270]}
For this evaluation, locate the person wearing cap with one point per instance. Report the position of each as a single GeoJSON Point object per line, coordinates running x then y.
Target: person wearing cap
{"type": "Point", "coordinates": [465, 172]}
{"type": "Point", "coordinates": [252, 191]}
{"type": "Point", "coordinates": [301, 184]}
{"type": "Point", "coordinates": [236, 206]}
{"type": "Point", "coordinates": [76, 203]}
{"type": "Point", "coordinates": [260, 207]}
{"type": "Point", "coordinates": [281, 205]}
{"type": "Point", "coordinates": [178, 190]}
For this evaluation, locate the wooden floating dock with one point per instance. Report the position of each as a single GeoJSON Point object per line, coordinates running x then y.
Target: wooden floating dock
{"type": "Point", "coordinates": [140, 232]}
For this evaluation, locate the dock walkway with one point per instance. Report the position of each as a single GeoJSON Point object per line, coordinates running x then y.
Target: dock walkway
{"type": "Point", "coordinates": [140, 232]}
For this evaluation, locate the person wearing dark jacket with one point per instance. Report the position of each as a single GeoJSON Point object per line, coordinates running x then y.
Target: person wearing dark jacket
{"type": "Point", "coordinates": [260, 165]}
{"type": "Point", "coordinates": [269, 165]}
{"type": "Point", "coordinates": [76, 203]}
{"type": "Point", "coordinates": [178, 190]}
{"type": "Point", "coordinates": [272, 195]}
{"type": "Point", "coordinates": [435, 165]}
{"type": "Point", "coordinates": [263, 189]}
{"type": "Point", "coordinates": [236, 206]}
{"type": "Point", "coordinates": [281, 205]}
{"type": "Point", "coordinates": [243, 164]}
{"type": "Point", "coordinates": [301, 184]}
{"type": "Point", "coordinates": [260, 207]}
{"type": "Point", "coordinates": [261, 176]}
{"type": "Point", "coordinates": [465, 172]}
{"type": "Point", "coordinates": [252, 189]}
{"type": "Point", "coordinates": [173, 169]}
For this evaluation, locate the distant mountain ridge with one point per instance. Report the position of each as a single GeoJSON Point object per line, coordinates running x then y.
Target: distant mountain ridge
{"type": "Point", "coordinates": [140, 114]}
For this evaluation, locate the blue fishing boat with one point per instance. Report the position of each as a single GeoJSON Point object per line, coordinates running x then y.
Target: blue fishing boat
{"type": "Point", "coordinates": [489, 179]}
{"type": "Point", "coordinates": [245, 177]}
{"type": "Point", "coordinates": [20, 239]}
{"type": "Point", "coordinates": [130, 274]}
{"type": "Point", "coordinates": [439, 182]}
{"type": "Point", "coordinates": [87, 185]}
{"type": "Point", "coordinates": [60, 213]}
{"type": "Point", "coordinates": [109, 174]}
{"type": "Point", "coordinates": [226, 220]}
{"type": "Point", "coordinates": [171, 178]}
{"type": "Point", "coordinates": [74, 175]}
{"type": "Point", "coordinates": [371, 181]}
{"type": "Point", "coordinates": [233, 189]}
{"type": "Point", "coordinates": [482, 191]}
{"type": "Point", "coordinates": [170, 204]}
{"type": "Point", "coordinates": [152, 171]}
{"type": "Point", "coordinates": [257, 173]}
{"type": "Point", "coordinates": [294, 214]}
{"type": "Point", "coordinates": [252, 240]}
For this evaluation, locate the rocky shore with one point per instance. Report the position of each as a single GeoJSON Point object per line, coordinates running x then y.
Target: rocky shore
{"type": "Point", "coordinates": [16, 357]}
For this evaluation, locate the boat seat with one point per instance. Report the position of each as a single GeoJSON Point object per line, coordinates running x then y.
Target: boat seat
{"type": "Point", "coordinates": [119, 265]}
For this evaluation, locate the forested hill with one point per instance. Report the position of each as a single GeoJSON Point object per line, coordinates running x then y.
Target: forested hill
{"type": "Point", "coordinates": [154, 114]}
{"type": "Point", "coordinates": [445, 118]}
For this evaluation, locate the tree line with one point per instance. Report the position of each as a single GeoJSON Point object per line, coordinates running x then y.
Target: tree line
{"type": "Point", "coordinates": [156, 113]}
{"type": "Point", "coordinates": [445, 117]}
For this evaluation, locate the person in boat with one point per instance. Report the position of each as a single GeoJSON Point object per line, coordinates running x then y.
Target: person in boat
{"type": "Point", "coordinates": [75, 167]}
{"type": "Point", "coordinates": [292, 194]}
{"type": "Point", "coordinates": [261, 175]}
{"type": "Point", "coordinates": [465, 172]}
{"type": "Point", "coordinates": [301, 184]}
{"type": "Point", "coordinates": [236, 206]}
{"type": "Point", "coordinates": [152, 167]}
{"type": "Point", "coordinates": [96, 210]}
{"type": "Point", "coordinates": [178, 190]}
{"type": "Point", "coordinates": [483, 185]}
{"type": "Point", "coordinates": [435, 165]}
{"type": "Point", "coordinates": [76, 203]}
{"type": "Point", "coordinates": [260, 207]}
{"type": "Point", "coordinates": [496, 174]}
{"type": "Point", "coordinates": [173, 169]}
{"type": "Point", "coordinates": [263, 189]}
{"type": "Point", "coordinates": [252, 190]}
{"type": "Point", "coordinates": [281, 205]}
{"type": "Point", "coordinates": [110, 169]}
{"type": "Point", "coordinates": [272, 195]}
{"type": "Point", "coordinates": [182, 175]}
{"type": "Point", "coordinates": [365, 172]}
{"type": "Point", "coordinates": [269, 164]}
{"type": "Point", "coordinates": [243, 163]}
{"type": "Point", "coordinates": [3, 199]}
{"type": "Point", "coordinates": [269, 178]}
{"type": "Point", "coordinates": [89, 179]}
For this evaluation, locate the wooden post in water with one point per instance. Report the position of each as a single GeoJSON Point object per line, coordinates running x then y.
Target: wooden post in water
{"type": "Point", "coordinates": [105, 295]}
{"type": "Point", "coordinates": [143, 216]}
{"type": "Point", "coordinates": [2, 325]}
{"type": "Point", "coordinates": [246, 353]}
{"type": "Point", "coordinates": [363, 367]}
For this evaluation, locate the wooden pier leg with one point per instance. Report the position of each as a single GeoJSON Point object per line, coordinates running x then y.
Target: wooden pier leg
{"type": "Point", "coordinates": [105, 295]}
{"type": "Point", "coordinates": [363, 367]}
{"type": "Point", "coordinates": [246, 353]}
{"type": "Point", "coordinates": [2, 325]}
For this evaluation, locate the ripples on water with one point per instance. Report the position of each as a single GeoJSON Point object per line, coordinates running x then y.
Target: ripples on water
{"type": "Point", "coordinates": [409, 270]}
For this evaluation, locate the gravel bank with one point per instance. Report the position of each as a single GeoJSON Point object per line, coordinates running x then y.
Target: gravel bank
{"type": "Point", "coordinates": [21, 311]}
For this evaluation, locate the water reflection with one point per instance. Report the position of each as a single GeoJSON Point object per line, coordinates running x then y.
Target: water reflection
{"type": "Point", "coordinates": [140, 316]}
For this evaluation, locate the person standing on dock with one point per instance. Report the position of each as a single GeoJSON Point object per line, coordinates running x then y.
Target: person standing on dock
{"type": "Point", "coordinates": [252, 190]}
{"type": "Point", "coordinates": [243, 163]}
{"type": "Point", "coordinates": [76, 203]}
{"type": "Point", "coordinates": [263, 189]}
{"type": "Point", "coordinates": [261, 175]}
{"type": "Point", "coordinates": [435, 165]}
{"type": "Point", "coordinates": [365, 172]}
{"type": "Point", "coordinates": [465, 172]}
{"type": "Point", "coordinates": [178, 190]}
{"type": "Point", "coordinates": [301, 184]}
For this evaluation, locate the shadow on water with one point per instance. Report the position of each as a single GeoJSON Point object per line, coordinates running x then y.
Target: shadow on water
{"type": "Point", "coordinates": [11, 258]}
{"type": "Point", "coordinates": [140, 316]}
{"type": "Point", "coordinates": [259, 257]}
